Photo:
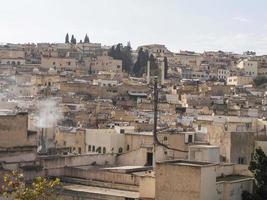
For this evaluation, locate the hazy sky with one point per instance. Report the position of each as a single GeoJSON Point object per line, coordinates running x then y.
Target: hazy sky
{"type": "Point", "coordinates": [231, 25]}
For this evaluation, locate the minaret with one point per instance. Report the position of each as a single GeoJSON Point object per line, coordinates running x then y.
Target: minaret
{"type": "Point", "coordinates": [162, 68]}
{"type": "Point", "coordinates": [148, 72]}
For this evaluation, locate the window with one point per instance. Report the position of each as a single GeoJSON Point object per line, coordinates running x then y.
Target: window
{"type": "Point", "coordinates": [199, 127]}
{"type": "Point", "coordinates": [80, 150]}
{"type": "Point", "coordinates": [128, 147]}
{"type": "Point", "coordinates": [104, 149]}
{"type": "Point", "coordinates": [165, 138]}
{"type": "Point", "coordinates": [122, 131]}
{"type": "Point", "coordinates": [190, 138]}
{"type": "Point", "coordinates": [120, 150]}
{"type": "Point", "coordinates": [93, 149]}
{"type": "Point", "coordinates": [89, 148]}
{"type": "Point", "coordinates": [64, 143]}
{"type": "Point", "coordinates": [118, 66]}
{"type": "Point", "coordinates": [241, 160]}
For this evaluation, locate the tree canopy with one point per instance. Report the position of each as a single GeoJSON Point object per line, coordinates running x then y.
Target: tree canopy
{"type": "Point", "coordinates": [260, 80]}
{"type": "Point", "coordinates": [258, 167]}
{"type": "Point", "coordinates": [13, 187]}
{"type": "Point", "coordinates": [86, 39]}
{"type": "Point", "coordinates": [141, 62]}
{"type": "Point", "coordinates": [123, 53]}
{"type": "Point", "coordinates": [73, 40]}
{"type": "Point", "coordinates": [67, 38]}
{"type": "Point", "coordinates": [166, 67]}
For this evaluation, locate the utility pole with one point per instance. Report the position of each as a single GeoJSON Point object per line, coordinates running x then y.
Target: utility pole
{"type": "Point", "coordinates": [155, 120]}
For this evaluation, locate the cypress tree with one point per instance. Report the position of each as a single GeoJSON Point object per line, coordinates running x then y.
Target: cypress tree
{"type": "Point", "coordinates": [86, 39]}
{"type": "Point", "coordinates": [166, 67]}
{"type": "Point", "coordinates": [67, 38]}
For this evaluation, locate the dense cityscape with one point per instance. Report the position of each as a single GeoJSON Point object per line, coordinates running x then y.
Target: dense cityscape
{"type": "Point", "coordinates": [133, 100]}
{"type": "Point", "coordinates": [117, 123]}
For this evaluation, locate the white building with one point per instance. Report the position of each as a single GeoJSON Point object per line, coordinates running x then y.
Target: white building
{"type": "Point", "coordinates": [223, 73]}
{"type": "Point", "coordinates": [104, 141]}
{"type": "Point", "coordinates": [250, 67]}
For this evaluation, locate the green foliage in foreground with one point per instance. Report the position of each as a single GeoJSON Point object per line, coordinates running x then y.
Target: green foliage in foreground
{"type": "Point", "coordinates": [14, 187]}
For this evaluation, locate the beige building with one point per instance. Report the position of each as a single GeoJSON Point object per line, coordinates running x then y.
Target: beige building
{"type": "Point", "coordinates": [103, 63]}
{"type": "Point", "coordinates": [187, 59]}
{"type": "Point", "coordinates": [192, 180]}
{"type": "Point", "coordinates": [71, 138]}
{"type": "Point", "coordinates": [45, 80]}
{"type": "Point", "coordinates": [58, 63]}
{"type": "Point", "coordinates": [187, 180]}
{"type": "Point", "coordinates": [239, 80]}
{"type": "Point", "coordinates": [14, 130]}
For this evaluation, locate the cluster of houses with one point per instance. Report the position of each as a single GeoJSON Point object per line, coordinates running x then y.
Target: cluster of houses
{"type": "Point", "coordinates": [72, 111]}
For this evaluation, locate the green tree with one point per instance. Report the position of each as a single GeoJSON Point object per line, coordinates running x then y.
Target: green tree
{"type": "Point", "coordinates": [258, 166]}
{"type": "Point", "coordinates": [86, 39]}
{"type": "Point", "coordinates": [73, 39]}
{"type": "Point", "coordinates": [67, 38]}
{"type": "Point", "coordinates": [166, 67]}
{"type": "Point", "coordinates": [123, 53]}
{"type": "Point", "coordinates": [260, 80]}
{"type": "Point", "coordinates": [41, 189]}
{"type": "Point", "coordinates": [141, 63]}
{"type": "Point", "coordinates": [127, 60]}
{"type": "Point", "coordinates": [154, 68]}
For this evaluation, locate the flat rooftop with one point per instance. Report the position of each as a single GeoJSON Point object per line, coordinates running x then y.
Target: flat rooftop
{"type": "Point", "coordinates": [233, 178]}
{"type": "Point", "coordinates": [128, 169]}
{"type": "Point", "coordinates": [103, 191]}
{"type": "Point", "coordinates": [187, 163]}
{"type": "Point", "coordinates": [205, 146]}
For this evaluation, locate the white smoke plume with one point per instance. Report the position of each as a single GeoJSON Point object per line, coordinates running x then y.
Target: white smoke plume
{"type": "Point", "coordinates": [49, 113]}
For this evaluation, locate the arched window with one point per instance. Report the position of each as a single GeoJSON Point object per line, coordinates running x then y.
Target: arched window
{"type": "Point", "coordinates": [93, 148]}
{"type": "Point", "coordinates": [104, 149]}
{"type": "Point", "coordinates": [120, 150]}
{"type": "Point", "coordinates": [89, 148]}
{"type": "Point", "coordinates": [98, 150]}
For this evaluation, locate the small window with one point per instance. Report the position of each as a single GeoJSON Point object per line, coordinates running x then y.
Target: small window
{"type": "Point", "coordinates": [80, 150]}
{"type": "Point", "coordinates": [104, 149]}
{"type": "Point", "coordinates": [89, 148]}
{"type": "Point", "coordinates": [122, 131]}
{"type": "Point", "coordinates": [128, 147]}
{"type": "Point", "coordinates": [241, 160]}
{"type": "Point", "coordinates": [190, 138]}
{"type": "Point", "coordinates": [93, 149]}
{"type": "Point", "coordinates": [120, 150]}
{"type": "Point", "coordinates": [118, 66]}
{"type": "Point", "coordinates": [165, 138]}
